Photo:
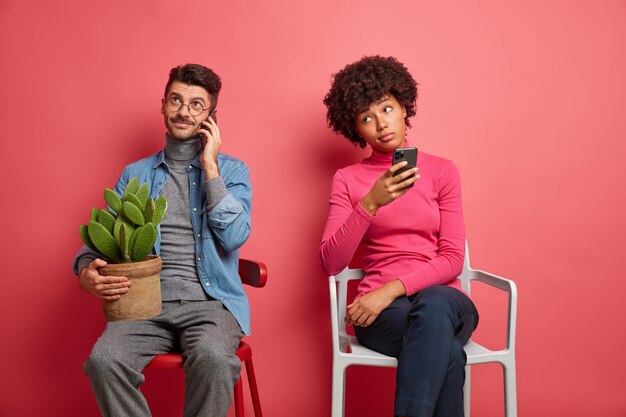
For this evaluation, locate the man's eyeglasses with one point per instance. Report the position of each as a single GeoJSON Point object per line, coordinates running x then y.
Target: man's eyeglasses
{"type": "Point", "coordinates": [174, 104]}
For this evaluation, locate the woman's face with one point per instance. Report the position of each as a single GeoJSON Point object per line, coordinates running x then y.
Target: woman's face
{"type": "Point", "coordinates": [382, 125]}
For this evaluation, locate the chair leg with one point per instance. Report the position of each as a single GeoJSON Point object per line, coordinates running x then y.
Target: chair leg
{"type": "Point", "coordinates": [467, 391]}
{"type": "Point", "coordinates": [510, 390]}
{"type": "Point", "coordinates": [254, 391]}
{"type": "Point", "coordinates": [239, 398]}
{"type": "Point", "coordinates": [338, 393]}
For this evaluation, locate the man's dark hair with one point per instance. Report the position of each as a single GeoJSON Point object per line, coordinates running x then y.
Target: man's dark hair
{"type": "Point", "coordinates": [361, 83]}
{"type": "Point", "coordinates": [198, 75]}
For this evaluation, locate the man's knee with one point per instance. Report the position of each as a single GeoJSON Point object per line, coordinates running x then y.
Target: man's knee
{"type": "Point", "coordinates": [99, 361]}
{"type": "Point", "coordinates": [105, 361]}
{"type": "Point", "coordinates": [214, 361]}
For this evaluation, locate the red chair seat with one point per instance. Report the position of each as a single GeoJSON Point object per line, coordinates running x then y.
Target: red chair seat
{"type": "Point", "coordinates": [254, 274]}
{"type": "Point", "coordinates": [244, 352]}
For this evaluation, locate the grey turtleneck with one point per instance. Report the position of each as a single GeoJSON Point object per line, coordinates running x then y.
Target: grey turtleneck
{"type": "Point", "coordinates": [179, 277]}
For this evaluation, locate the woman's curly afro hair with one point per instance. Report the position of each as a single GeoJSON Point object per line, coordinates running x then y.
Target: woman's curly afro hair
{"type": "Point", "coordinates": [361, 83]}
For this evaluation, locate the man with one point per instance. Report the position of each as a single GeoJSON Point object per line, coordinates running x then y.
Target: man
{"type": "Point", "coordinates": [205, 309]}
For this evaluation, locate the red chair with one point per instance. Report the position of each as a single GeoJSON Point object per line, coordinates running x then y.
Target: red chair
{"type": "Point", "coordinates": [254, 274]}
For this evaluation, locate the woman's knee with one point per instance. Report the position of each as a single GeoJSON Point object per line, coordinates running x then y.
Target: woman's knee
{"type": "Point", "coordinates": [458, 357]}
{"type": "Point", "coordinates": [434, 305]}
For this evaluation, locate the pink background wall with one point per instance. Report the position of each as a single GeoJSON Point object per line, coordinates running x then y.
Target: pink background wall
{"type": "Point", "coordinates": [528, 99]}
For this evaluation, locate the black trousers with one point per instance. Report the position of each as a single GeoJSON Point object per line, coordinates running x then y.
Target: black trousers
{"type": "Point", "coordinates": [426, 332]}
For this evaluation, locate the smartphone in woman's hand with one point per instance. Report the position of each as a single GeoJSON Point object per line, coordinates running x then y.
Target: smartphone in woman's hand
{"type": "Point", "coordinates": [405, 154]}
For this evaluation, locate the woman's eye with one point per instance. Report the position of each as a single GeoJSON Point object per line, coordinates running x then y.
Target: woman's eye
{"type": "Point", "coordinates": [388, 109]}
{"type": "Point", "coordinates": [366, 119]}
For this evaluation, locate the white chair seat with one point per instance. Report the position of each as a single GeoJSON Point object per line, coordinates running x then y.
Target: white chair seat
{"type": "Point", "coordinates": [359, 352]}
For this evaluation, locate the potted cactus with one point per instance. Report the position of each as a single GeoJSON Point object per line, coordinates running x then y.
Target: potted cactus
{"type": "Point", "coordinates": [124, 235]}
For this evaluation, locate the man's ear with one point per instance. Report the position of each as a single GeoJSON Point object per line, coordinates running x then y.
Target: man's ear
{"type": "Point", "coordinates": [162, 106]}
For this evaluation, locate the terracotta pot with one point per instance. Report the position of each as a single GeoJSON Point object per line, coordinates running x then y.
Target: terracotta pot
{"type": "Point", "coordinates": [143, 299]}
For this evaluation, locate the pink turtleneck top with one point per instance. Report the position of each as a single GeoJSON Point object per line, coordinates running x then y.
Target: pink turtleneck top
{"type": "Point", "coordinates": [418, 238]}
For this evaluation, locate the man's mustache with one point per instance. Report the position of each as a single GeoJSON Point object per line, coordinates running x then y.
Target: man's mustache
{"type": "Point", "coordinates": [183, 120]}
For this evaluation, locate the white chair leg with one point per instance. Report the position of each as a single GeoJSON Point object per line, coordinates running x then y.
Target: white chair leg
{"type": "Point", "coordinates": [338, 393]}
{"type": "Point", "coordinates": [510, 390]}
{"type": "Point", "coordinates": [466, 391]}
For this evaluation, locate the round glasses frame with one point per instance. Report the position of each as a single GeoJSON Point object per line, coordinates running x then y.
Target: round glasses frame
{"type": "Point", "coordinates": [175, 104]}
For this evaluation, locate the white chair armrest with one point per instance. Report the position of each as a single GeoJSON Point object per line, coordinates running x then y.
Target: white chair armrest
{"type": "Point", "coordinates": [505, 285]}
{"type": "Point", "coordinates": [493, 280]}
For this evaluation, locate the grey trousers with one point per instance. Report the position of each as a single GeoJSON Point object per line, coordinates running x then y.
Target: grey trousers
{"type": "Point", "coordinates": [204, 331]}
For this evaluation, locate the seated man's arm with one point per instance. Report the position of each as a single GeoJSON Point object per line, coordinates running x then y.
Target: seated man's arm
{"type": "Point", "coordinates": [229, 201]}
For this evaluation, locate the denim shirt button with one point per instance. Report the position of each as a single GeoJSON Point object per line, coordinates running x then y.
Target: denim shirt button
{"type": "Point", "coordinates": [195, 209]}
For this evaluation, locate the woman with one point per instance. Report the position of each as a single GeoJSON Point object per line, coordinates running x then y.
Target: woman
{"type": "Point", "coordinates": [409, 232]}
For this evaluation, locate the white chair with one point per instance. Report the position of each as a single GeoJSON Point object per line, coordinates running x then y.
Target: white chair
{"type": "Point", "coordinates": [347, 351]}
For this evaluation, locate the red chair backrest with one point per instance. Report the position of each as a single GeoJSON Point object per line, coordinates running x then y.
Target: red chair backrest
{"type": "Point", "coordinates": [253, 273]}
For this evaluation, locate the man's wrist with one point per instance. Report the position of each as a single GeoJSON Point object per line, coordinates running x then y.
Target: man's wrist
{"type": "Point", "coordinates": [211, 171]}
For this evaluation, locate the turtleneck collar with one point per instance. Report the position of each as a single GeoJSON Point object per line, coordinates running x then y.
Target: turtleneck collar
{"type": "Point", "coordinates": [384, 158]}
{"type": "Point", "coordinates": [181, 151]}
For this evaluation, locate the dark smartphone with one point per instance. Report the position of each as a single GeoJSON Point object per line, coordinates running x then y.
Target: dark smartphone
{"type": "Point", "coordinates": [212, 114]}
{"type": "Point", "coordinates": [404, 154]}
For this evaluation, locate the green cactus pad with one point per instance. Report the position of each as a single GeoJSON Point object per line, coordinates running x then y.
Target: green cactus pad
{"type": "Point", "coordinates": [103, 240]}
{"type": "Point", "coordinates": [133, 213]}
{"type": "Point", "coordinates": [84, 235]}
{"type": "Point", "coordinates": [113, 200]}
{"type": "Point", "coordinates": [107, 220]}
{"type": "Point", "coordinates": [123, 241]}
{"type": "Point", "coordinates": [142, 194]}
{"type": "Point", "coordinates": [127, 230]}
{"type": "Point", "coordinates": [121, 220]}
{"type": "Point", "coordinates": [132, 198]}
{"type": "Point", "coordinates": [144, 242]}
{"type": "Point", "coordinates": [132, 186]}
{"type": "Point", "coordinates": [160, 210]}
{"type": "Point", "coordinates": [148, 210]}
{"type": "Point", "coordinates": [131, 243]}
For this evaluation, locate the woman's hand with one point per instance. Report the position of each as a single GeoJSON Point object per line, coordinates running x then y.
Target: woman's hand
{"type": "Point", "coordinates": [212, 142]}
{"type": "Point", "coordinates": [364, 310]}
{"type": "Point", "coordinates": [387, 188]}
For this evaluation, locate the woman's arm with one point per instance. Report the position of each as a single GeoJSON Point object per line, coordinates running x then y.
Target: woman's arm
{"type": "Point", "coordinates": [345, 226]}
{"type": "Point", "coordinates": [448, 263]}
{"type": "Point", "coordinates": [347, 223]}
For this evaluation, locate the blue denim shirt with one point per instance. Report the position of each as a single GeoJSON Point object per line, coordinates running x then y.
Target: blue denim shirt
{"type": "Point", "coordinates": [219, 233]}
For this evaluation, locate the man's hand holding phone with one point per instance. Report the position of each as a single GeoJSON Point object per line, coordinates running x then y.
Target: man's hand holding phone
{"type": "Point", "coordinates": [211, 141]}
{"type": "Point", "coordinates": [389, 187]}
